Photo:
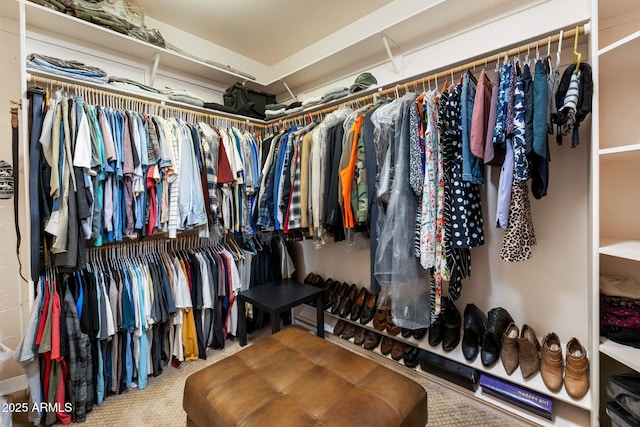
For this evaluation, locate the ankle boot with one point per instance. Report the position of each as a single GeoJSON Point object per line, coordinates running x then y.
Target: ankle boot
{"type": "Point", "coordinates": [475, 323]}
{"type": "Point", "coordinates": [498, 320]}
{"type": "Point", "coordinates": [509, 350]}
{"type": "Point", "coordinates": [576, 374]}
{"type": "Point", "coordinates": [551, 362]}
{"type": "Point", "coordinates": [528, 352]}
{"type": "Point", "coordinates": [452, 321]}
{"type": "Point", "coordinates": [436, 330]}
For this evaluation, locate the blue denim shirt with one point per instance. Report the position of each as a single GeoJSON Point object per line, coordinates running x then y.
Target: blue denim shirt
{"type": "Point", "coordinates": [472, 166]}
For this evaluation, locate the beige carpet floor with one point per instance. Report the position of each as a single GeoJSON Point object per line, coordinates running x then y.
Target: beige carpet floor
{"type": "Point", "coordinates": [160, 403]}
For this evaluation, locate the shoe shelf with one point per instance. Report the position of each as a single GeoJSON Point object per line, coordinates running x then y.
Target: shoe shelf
{"type": "Point", "coordinates": [308, 314]}
{"type": "Point", "coordinates": [624, 354]}
{"type": "Point", "coordinates": [621, 248]}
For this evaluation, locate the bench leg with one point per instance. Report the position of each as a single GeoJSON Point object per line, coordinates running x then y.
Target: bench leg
{"type": "Point", "coordinates": [319, 317]}
{"type": "Point", "coordinates": [242, 322]}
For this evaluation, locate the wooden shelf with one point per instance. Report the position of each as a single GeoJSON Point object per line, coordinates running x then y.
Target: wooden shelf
{"type": "Point", "coordinates": [70, 27]}
{"type": "Point", "coordinates": [622, 353]}
{"type": "Point", "coordinates": [308, 316]}
{"type": "Point", "coordinates": [621, 248]}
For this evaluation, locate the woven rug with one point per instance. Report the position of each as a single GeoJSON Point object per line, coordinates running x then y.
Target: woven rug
{"type": "Point", "coordinates": [160, 403]}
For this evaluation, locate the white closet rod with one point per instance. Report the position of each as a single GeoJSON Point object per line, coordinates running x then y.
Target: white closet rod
{"type": "Point", "coordinates": [442, 75]}
{"type": "Point", "coordinates": [160, 105]}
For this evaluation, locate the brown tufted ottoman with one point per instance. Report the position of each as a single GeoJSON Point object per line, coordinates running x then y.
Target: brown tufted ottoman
{"type": "Point", "coordinates": [296, 379]}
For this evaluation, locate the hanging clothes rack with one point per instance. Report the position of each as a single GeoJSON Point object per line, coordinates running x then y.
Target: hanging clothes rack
{"type": "Point", "coordinates": [392, 88]}
{"type": "Point", "coordinates": [125, 101]}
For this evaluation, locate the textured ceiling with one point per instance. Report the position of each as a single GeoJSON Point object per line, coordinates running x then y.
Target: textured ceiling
{"type": "Point", "coordinates": [267, 31]}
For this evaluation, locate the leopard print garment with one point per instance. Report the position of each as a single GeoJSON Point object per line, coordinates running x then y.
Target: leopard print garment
{"type": "Point", "coordinates": [519, 236]}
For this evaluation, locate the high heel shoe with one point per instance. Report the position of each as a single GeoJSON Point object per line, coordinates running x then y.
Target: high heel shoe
{"type": "Point", "coordinates": [528, 352]}
{"type": "Point", "coordinates": [509, 350]}
{"type": "Point", "coordinates": [498, 319]}
{"type": "Point", "coordinates": [475, 323]}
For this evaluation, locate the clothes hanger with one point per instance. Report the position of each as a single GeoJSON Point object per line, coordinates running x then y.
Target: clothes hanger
{"type": "Point", "coordinates": [577, 56]}
{"type": "Point", "coordinates": [559, 48]}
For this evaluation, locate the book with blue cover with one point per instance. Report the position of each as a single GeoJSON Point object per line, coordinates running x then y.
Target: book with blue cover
{"type": "Point", "coordinates": [521, 397]}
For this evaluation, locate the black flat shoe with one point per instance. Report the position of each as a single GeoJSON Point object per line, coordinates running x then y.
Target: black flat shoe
{"type": "Point", "coordinates": [475, 323]}
{"type": "Point", "coordinates": [368, 309]}
{"type": "Point", "coordinates": [419, 333]}
{"type": "Point", "coordinates": [356, 309]}
{"type": "Point", "coordinates": [406, 333]}
{"type": "Point", "coordinates": [340, 295]}
{"type": "Point", "coordinates": [498, 320]}
{"type": "Point", "coordinates": [347, 301]}
{"type": "Point", "coordinates": [411, 354]}
{"type": "Point", "coordinates": [329, 288]}
{"type": "Point", "coordinates": [452, 323]}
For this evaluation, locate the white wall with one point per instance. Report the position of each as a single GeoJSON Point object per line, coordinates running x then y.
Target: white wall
{"type": "Point", "coordinates": [513, 29]}
{"type": "Point", "coordinates": [14, 294]}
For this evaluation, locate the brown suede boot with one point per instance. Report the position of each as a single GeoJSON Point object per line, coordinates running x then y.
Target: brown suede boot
{"type": "Point", "coordinates": [509, 351]}
{"type": "Point", "coordinates": [551, 362]}
{"type": "Point", "coordinates": [528, 352]}
{"type": "Point", "coordinates": [576, 376]}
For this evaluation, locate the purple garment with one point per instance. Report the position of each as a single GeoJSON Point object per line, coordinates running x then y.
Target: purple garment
{"type": "Point", "coordinates": [492, 156]}
{"type": "Point", "coordinates": [504, 188]}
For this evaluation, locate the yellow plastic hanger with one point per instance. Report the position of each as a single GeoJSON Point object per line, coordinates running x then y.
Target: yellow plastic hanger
{"type": "Point", "coordinates": [577, 56]}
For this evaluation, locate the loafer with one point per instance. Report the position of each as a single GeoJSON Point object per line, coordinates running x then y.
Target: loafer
{"type": "Point", "coordinates": [411, 354]}
{"type": "Point", "coordinates": [356, 309]}
{"type": "Point", "coordinates": [576, 373]}
{"type": "Point", "coordinates": [498, 319]}
{"type": "Point", "coordinates": [392, 328]}
{"type": "Point", "coordinates": [475, 323]}
{"type": "Point", "coordinates": [307, 280]}
{"type": "Point", "coordinates": [329, 288]}
{"type": "Point", "coordinates": [368, 309]}
{"type": "Point", "coordinates": [339, 328]}
{"type": "Point", "coordinates": [551, 362]}
{"type": "Point", "coordinates": [360, 336]}
{"type": "Point", "coordinates": [349, 331]}
{"type": "Point", "coordinates": [371, 340]}
{"type": "Point", "coordinates": [509, 351]}
{"type": "Point", "coordinates": [316, 280]}
{"type": "Point", "coordinates": [347, 301]}
{"type": "Point", "coordinates": [397, 350]}
{"type": "Point", "coordinates": [339, 297]}
{"type": "Point", "coordinates": [380, 319]}
{"type": "Point", "coordinates": [419, 333]}
{"type": "Point", "coordinates": [386, 345]}
{"type": "Point", "coordinates": [528, 352]}
{"type": "Point", "coordinates": [406, 333]}
{"type": "Point", "coordinates": [452, 321]}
